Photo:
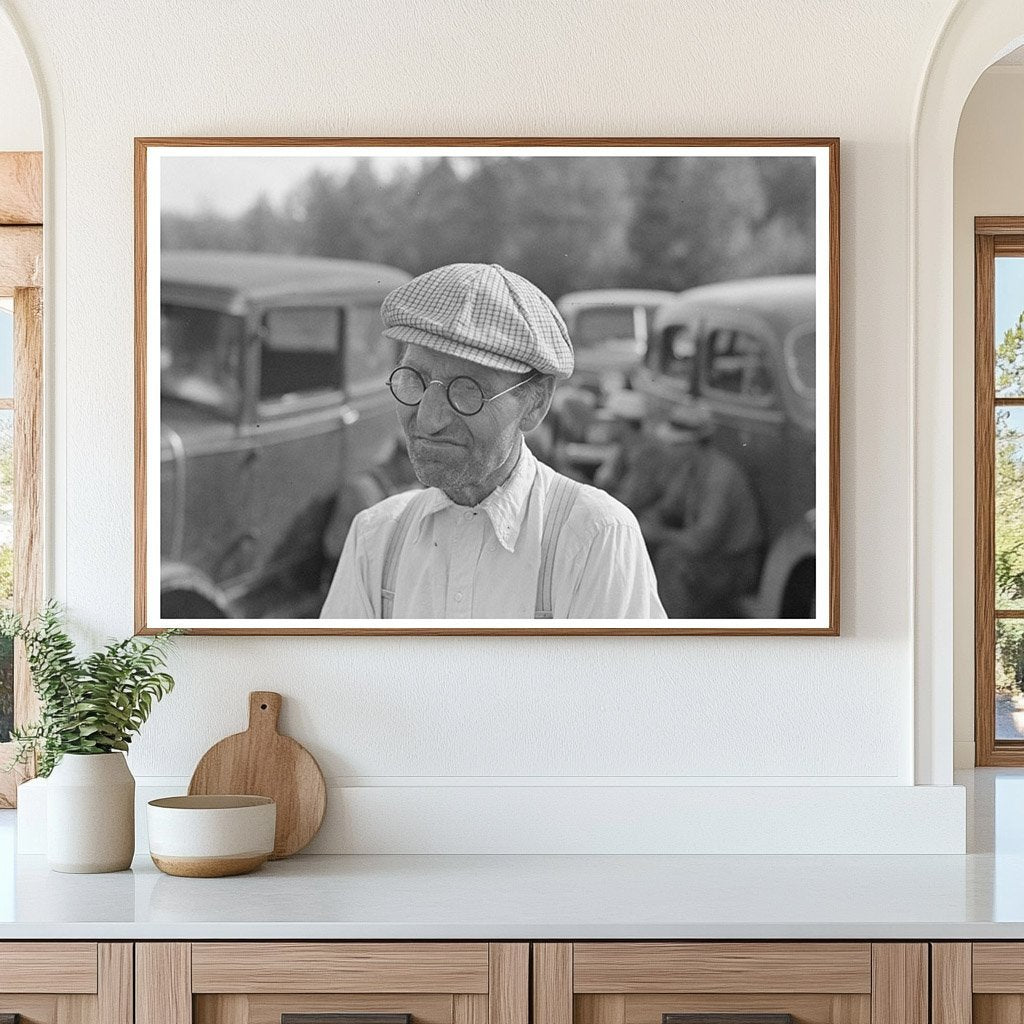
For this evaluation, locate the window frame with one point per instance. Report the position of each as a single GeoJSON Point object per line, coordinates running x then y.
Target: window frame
{"type": "Point", "coordinates": [993, 237]}
{"type": "Point", "coordinates": [21, 257]}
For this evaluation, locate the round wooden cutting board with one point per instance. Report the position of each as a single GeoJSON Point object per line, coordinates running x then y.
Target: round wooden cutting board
{"type": "Point", "coordinates": [262, 762]}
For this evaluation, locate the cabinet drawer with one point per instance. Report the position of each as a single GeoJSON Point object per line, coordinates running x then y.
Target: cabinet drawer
{"type": "Point", "coordinates": [332, 983]}
{"type": "Point", "coordinates": [730, 983]}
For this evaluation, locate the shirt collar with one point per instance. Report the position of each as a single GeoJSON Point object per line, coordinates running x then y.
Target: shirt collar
{"type": "Point", "coordinates": [505, 505]}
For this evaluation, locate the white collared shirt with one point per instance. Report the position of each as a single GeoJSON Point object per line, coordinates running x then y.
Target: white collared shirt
{"type": "Point", "coordinates": [482, 562]}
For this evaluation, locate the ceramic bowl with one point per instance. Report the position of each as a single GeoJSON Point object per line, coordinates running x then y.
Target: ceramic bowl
{"type": "Point", "coordinates": [211, 836]}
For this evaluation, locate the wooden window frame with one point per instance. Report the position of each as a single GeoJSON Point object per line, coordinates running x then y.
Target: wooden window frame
{"type": "Point", "coordinates": [21, 278]}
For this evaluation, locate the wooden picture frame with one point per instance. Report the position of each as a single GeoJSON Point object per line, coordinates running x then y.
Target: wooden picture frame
{"type": "Point", "coordinates": [210, 578]}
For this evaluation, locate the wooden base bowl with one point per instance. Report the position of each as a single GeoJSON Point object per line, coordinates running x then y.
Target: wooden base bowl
{"type": "Point", "coordinates": [211, 836]}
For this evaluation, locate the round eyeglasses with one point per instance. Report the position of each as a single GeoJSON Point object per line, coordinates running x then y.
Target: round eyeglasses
{"type": "Point", "coordinates": [465, 395]}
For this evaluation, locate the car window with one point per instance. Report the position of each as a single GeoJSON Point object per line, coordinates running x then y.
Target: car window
{"type": "Point", "coordinates": [604, 323]}
{"type": "Point", "coordinates": [679, 352]}
{"type": "Point", "coordinates": [300, 352]}
{"type": "Point", "coordinates": [369, 356]}
{"type": "Point", "coordinates": [800, 352]}
{"type": "Point", "coordinates": [737, 363]}
{"type": "Point", "coordinates": [200, 357]}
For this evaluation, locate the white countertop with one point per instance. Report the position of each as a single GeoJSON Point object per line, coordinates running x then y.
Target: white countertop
{"type": "Point", "coordinates": [517, 897]}
{"type": "Point", "coordinates": [976, 896]}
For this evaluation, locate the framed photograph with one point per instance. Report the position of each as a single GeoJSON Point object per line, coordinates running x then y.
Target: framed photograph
{"type": "Point", "coordinates": [499, 386]}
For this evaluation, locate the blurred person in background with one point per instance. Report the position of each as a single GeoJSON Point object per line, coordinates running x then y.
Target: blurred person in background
{"type": "Point", "coordinates": [494, 534]}
{"type": "Point", "coordinates": [633, 471]}
{"type": "Point", "coordinates": [704, 533]}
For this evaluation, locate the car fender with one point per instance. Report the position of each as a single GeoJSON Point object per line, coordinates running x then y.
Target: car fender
{"type": "Point", "coordinates": [793, 546]}
{"type": "Point", "coordinates": [181, 578]}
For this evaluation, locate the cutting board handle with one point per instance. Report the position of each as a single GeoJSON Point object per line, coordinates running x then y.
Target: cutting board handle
{"type": "Point", "coordinates": [264, 710]}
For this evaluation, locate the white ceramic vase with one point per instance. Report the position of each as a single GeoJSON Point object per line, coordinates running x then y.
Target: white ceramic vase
{"type": "Point", "coordinates": [90, 814]}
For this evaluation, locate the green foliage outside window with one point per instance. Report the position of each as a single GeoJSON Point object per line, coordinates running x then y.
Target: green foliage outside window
{"type": "Point", "coordinates": [1009, 510]}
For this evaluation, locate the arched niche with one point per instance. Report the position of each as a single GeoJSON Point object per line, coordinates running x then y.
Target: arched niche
{"type": "Point", "coordinates": [975, 35]}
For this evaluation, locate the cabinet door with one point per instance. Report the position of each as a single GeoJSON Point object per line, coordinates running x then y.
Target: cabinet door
{"type": "Point", "coordinates": [66, 982]}
{"type": "Point", "coordinates": [978, 983]}
{"type": "Point", "coordinates": [730, 983]}
{"type": "Point", "coordinates": [332, 983]}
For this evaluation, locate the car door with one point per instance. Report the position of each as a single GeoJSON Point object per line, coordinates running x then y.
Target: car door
{"type": "Point", "coordinates": [738, 379]}
{"type": "Point", "coordinates": [298, 452]}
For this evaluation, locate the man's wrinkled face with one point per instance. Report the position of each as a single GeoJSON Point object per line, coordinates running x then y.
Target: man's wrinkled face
{"type": "Point", "coordinates": [464, 456]}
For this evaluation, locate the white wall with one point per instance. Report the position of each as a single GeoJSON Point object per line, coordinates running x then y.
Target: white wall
{"type": "Point", "coordinates": [431, 716]}
{"type": "Point", "coordinates": [21, 127]}
{"type": "Point", "coordinates": [987, 182]}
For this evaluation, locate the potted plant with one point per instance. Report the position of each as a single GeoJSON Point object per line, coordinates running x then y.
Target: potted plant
{"type": "Point", "coordinates": [89, 710]}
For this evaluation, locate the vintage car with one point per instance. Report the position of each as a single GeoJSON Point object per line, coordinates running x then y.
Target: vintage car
{"type": "Point", "coordinates": [746, 350]}
{"type": "Point", "coordinates": [272, 373]}
{"type": "Point", "coordinates": [609, 330]}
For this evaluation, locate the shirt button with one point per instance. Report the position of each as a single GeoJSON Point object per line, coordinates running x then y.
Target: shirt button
{"type": "Point", "coordinates": [458, 596]}
{"type": "Point", "coordinates": [467, 515]}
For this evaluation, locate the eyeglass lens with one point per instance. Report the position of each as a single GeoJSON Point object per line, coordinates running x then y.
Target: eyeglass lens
{"type": "Point", "coordinates": [464, 394]}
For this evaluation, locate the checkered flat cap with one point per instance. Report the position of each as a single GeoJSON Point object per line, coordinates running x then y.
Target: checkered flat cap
{"type": "Point", "coordinates": [483, 313]}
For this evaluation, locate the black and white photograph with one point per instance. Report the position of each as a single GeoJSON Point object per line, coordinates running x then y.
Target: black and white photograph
{"type": "Point", "coordinates": [422, 386]}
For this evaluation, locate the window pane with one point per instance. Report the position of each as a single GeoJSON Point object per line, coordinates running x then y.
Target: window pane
{"type": "Point", "coordinates": [6, 570]}
{"type": "Point", "coordinates": [200, 357]}
{"type": "Point", "coordinates": [604, 323]}
{"type": "Point", "coordinates": [1009, 525]}
{"type": "Point", "coordinates": [1009, 325]}
{"type": "Point", "coordinates": [1009, 679]}
{"type": "Point", "coordinates": [300, 352]}
{"type": "Point", "coordinates": [6, 353]}
{"type": "Point", "coordinates": [369, 356]}
{"type": "Point", "coordinates": [737, 363]}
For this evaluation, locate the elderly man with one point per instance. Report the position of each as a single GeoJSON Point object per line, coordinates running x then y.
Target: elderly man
{"type": "Point", "coordinates": [495, 534]}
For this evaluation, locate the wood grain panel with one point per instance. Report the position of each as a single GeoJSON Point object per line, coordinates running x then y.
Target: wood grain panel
{"type": "Point", "coordinates": [229, 1009]}
{"type": "Point", "coordinates": [115, 983]}
{"type": "Point", "coordinates": [34, 1009]}
{"type": "Point", "coordinates": [21, 188]}
{"type": "Point", "coordinates": [28, 483]}
{"type": "Point", "coordinates": [508, 993]}
{"type": "Point", "coordinates": [267, 1009]}
{"type": "Point", "coordinates": [468, 1009]}
{"type": "Point", "coordinates": [339, 967]}
{"type": "Point", "coordinates": [608, 1009]}
{"type": "Point", "coordinates": [637, 967]}
{"type": "Point", "coordinates": [76, 1010]}
{"type": "Point", "coordinates": [65, 967]}
{"type": "Point", "coordinates": [805, 1008]}
{"type": "Point", "coordinates": [552, 983]}
{"type": "Point", "coordinates": [899, 992]}
{"type": "Point", "coordinates": [951, 983]}
{"type": "Point", "coordinates": [163, 983]}
{"type": "Point", "coordinates": [998, 1009]}
{"type": "Point", "coordinates": [984, 501]}
{"type": "Point", "coordinates": [998, 967]}
{"type": "Point", "coordinates": [21, 258]}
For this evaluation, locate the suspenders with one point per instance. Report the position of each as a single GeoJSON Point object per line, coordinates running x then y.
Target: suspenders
{"type": "Point", "coordinates": [560, 500]}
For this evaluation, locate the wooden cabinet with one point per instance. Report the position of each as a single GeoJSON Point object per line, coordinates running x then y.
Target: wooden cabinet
{"type": "Point", "coordinates": [494, 983]}
{"type": "Point", "coordinates": [264, 982]}
{"type": "Point", "coordinates": [66, 982]}
{"type": "Point", "coordinates": [755, 982]}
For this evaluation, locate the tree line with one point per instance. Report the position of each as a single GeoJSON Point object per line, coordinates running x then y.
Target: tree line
{"type": "Point", "coordinates": [566, 223]}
